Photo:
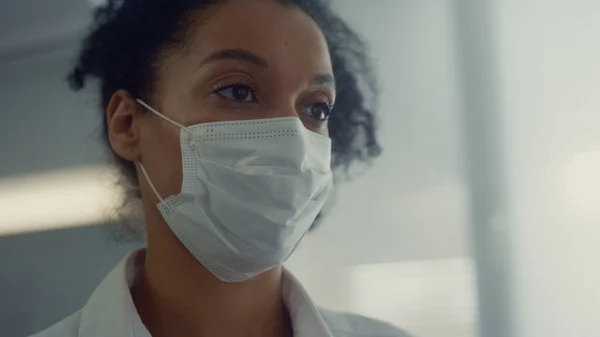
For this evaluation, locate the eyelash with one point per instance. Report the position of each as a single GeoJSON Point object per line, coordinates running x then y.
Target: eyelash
{"type": "Point", "coordinates": [325, 104]}
{"type": "Point", "coordinates": [253, 92]}
{"type": "Point", "coordinates": [251, 87]}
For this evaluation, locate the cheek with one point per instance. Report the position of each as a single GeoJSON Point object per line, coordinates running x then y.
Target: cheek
{"type": "Point", "coordinates": [161, 156]}
{"type": "Point", "coordinates": [316, 127]}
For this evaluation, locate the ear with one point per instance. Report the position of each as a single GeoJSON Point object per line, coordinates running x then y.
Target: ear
{"type": "Point", "coordinates": [122, 119]}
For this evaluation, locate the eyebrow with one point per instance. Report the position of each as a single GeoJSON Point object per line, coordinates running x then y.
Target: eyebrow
{"type": "Point", "coordinates": [237, 54]}
{"type": "Point", "coordinates": [324, 79]}
{"type": "Point", "coordinates": [250, 57]}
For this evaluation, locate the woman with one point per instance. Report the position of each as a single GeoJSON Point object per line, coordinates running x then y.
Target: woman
{"type": "Point", "coordinates": [221, 115]}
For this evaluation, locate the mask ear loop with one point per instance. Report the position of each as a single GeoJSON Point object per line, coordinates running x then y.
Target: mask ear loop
{"type": "Point", "coordinates": [162, 201]}
{"type": "Point", "coordinates": [154, 111]}
{"type": "Point", "coordinates": [183, 127]}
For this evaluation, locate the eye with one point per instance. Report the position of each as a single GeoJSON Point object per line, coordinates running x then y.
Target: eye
{"type": "Point", "coordinates": [237, 92]}
{"type": "Point", "coordinates": [319, 111]}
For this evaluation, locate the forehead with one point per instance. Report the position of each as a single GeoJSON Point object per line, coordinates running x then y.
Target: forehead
{"type": "Point", "coordinates": [283, 35]}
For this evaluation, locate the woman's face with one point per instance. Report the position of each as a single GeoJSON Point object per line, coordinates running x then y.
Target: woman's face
{"type": "Point", "coordinates": [251, 59]}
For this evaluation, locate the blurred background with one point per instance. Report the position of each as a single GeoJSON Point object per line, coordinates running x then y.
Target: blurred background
{"type": "Point", "coordinates": [481, 218]}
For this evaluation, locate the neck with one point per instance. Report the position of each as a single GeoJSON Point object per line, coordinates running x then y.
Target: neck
{"type": "Point", "coordinates": [177, 294]}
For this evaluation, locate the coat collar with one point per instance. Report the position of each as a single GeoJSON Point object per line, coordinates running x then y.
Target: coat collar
{"type": "Point", "coordinates": [110, 310]}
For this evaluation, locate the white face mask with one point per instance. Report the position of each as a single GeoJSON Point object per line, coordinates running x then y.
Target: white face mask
{"type": "Point", "coordinates": [250, 192]}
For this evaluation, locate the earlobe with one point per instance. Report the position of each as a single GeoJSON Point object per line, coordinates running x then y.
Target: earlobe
{"type": "Point", "coordinates": [123, 133]}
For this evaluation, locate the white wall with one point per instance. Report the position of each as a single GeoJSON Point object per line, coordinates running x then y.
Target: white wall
{"type": "Point", "coordinates": [45, 126]}
{"type": "Point", "coordinates": [549, 89]}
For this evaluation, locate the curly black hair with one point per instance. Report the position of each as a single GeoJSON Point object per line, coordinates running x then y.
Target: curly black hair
{"type": "Point", "coordinates": [129, 38]}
